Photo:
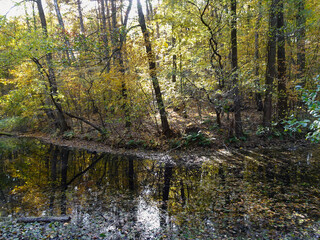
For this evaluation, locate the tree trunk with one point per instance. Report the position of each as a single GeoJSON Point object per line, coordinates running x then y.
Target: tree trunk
{"type": "Point", "coordinates": [104, 35]}
{"type": "Point", "coordinates": [34, 19]}
{"type": "Point", "coordinates": [69, 52]}
{"type": "Point", "coordinates": [108, 16]}
{"type": "Point", "coordinates": [271, 65]}
{"type": "Point", "coordinates": [281, 52]}
{"type": "Point", "coordinates": [118, 39]}
{"type": "Point", "coordinates": [174, 63]}
{"type": "Point", "coordinates": [258, 96]}
{"type": "Point", "coordinates": [53, 89]}
{"type": "Point", "coordinates": [234, 64]}
{"type": "Point", "coordinates": [153, 72]}
{"type": "Point", "coordinates": [27, 15]}
{"type": "Point", "coordinates": [115, 32]}
{"type": "Point", "coordinates": [149, 5]}
{"type": "Point", "coordinates": [82, 29]}
{"type": "Point", "coordinates": [301, 45]}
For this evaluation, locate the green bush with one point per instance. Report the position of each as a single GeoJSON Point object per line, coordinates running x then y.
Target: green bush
{"type": "Point", "coordinates": [269, 132]}
{"type": "Point", "coordinates": [20, 124]}
{"type": "Point", "coordinates": [311, 124]}
{"type": "Point", "coordinates": [198, 139]}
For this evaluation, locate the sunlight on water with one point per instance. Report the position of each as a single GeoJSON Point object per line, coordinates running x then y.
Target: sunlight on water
{"type": "Point", "coordinates": [148, 215]}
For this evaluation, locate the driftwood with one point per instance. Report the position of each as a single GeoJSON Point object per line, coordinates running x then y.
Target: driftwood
{"type": "Point", "coordinates": [44, 219]}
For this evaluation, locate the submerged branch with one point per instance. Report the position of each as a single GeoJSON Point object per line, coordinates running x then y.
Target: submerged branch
{"type": "Point", "coordinates": [44, 219]}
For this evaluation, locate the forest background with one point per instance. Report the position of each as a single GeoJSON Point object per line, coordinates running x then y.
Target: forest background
{"type": "Point", "coordinates": [162, 73]}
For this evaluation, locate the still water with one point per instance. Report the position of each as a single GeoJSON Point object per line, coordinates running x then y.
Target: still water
{"type": "Point", "coordinates": [249, 194]}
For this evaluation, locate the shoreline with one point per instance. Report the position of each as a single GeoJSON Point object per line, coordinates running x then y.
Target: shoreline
{"type": "Point", "coordinates": [183, 154]}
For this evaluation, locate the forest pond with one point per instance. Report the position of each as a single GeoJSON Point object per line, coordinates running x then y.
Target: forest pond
{"type": "Point", "coordinates": [241, 194]}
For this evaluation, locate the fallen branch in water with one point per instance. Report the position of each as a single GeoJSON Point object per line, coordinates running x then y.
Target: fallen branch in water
{"type": "Point", "coordinates": [44, 219]}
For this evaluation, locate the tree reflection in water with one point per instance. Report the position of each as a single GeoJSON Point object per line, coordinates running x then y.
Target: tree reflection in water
{"type": "Point", "coordinates": [242, 194]}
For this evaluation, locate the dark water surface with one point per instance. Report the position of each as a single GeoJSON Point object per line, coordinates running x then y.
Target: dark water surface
{"type": "Point", "coordinates": [246, 194]}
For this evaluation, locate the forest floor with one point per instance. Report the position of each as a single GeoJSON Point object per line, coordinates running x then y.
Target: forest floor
{"type": "Point", "coordinates": [196, 133]}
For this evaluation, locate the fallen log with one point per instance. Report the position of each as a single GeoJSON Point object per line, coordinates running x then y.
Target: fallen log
{"type": "Point", "coordinates": [44, 219]}
{"type": "Point", "coordinates": [6, 134]}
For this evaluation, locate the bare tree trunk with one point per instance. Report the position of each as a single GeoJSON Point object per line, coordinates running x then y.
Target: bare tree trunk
{"type": "Point", "coordinates": [34, 20]}
{"type": "Point", "coordinates": [271, 65]}
{"type": "Point", "coordinates": [258, 96]}
{"type": "Point", "coordinates": [108, 16]}
{"type": "Point", "coordinates": [234, 64]}
{"type": "Point", "coordinates": [82, 29]}
{"type": "Point", "coordinates": [301, 45]}
{"type": "Point", "coordinates": [153, 72]}
{"type": "Point", "coordinates": [104, 35]}
{"type": "Point", "coordinates": [149, 4]}
{"type": "Point", "coordinates": [69, 52]}
{"type": "Point", "coordinates": [118, 39]}
{"type": "Point", "coordinates": [174, 62]}
{"type": "Point", "coordinates": [281, 52]}
{"type": "Point", "coordinates": [115, 32]}
{"type": "Point", "coordinates": [53, 88]}
{"type": "Point", "coordinates": [27, 15]}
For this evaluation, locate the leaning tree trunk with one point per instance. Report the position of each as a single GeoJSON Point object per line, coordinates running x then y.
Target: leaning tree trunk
{"type": "Point", "coordinates": [281, 52]}
{"type": "Point", "coordinates": [271, 65]}
{"type": "Point", "coordinates": [153, 72]}
{"type": "Point", "coordinates": [69, 52]}
{"type": "Point", "coordinates": [234, 64]}
{"type": "Point", "coordinates": [53, 88]}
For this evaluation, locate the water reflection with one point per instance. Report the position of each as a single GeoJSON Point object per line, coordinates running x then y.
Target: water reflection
{"type": "Point", "coordinates": [243, 194]}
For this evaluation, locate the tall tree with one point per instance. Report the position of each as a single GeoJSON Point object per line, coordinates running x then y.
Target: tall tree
{"type": "Point", "coordinates": [82, 29]}
{"type": "Point", "coordinates": [234, 65]}
{"type": "Point", "coordinates": [50, 74]}
{"type": "Point", "coordinates": [108, 16]}
{"type": "Point", "coordinates": [68, 51]}
{"type": "Point", "coordinates": [153, 72]}
{"type": "Point", "coordinates": [301, 36]}
{"type": "Point", "coordinates": [271, 64]}
{"type": "Point", "coordinates": [118, 40]}
{"type": "Point", "coordinates": [281, 52]}
{"type": "Point", "coordinates": [174, 62]}
{"type": "Point", "coordinates": [115, 30]}
{"type": "Point", "coordinates": [258, 96]}
{"type": "Point", "coordinates": [27, 15]}
{"type": "Point", "coordinates": [104, 34]}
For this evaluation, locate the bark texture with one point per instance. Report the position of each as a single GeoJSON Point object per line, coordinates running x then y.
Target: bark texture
{"type": "Point", "coordinates": [234, 64]}
{"type": "Point", "coordinates": [271, 65]}
{"type": "Point", "coordinates": [153, 72]}
{"type": "Point", "coordinates": [281, 52]}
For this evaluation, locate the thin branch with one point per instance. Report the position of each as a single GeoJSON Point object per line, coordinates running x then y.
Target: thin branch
{"type": "Point", "coordinates": [85, 121]}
